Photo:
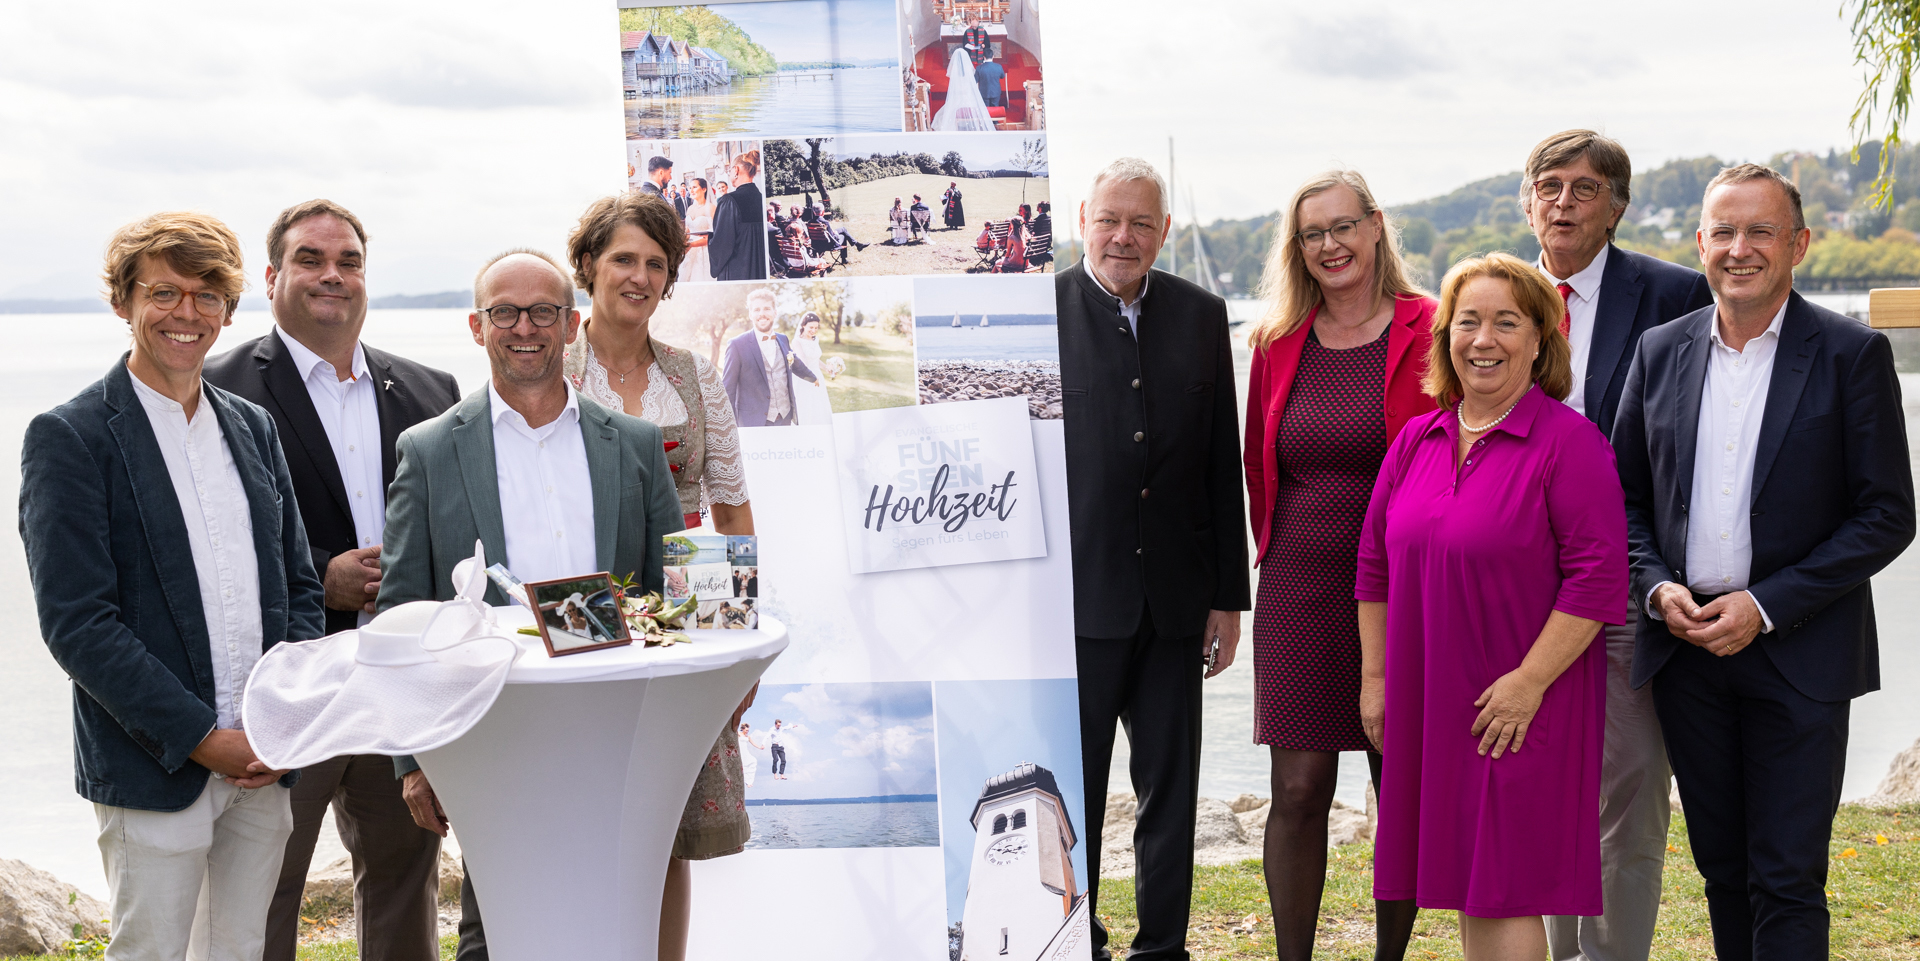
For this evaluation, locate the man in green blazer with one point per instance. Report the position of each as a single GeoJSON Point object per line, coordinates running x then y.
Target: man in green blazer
{"type": "Point", "coordinates": [553, 484]}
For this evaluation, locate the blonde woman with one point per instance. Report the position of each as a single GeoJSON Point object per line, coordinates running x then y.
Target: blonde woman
{"type": "Point", "coordinates": [1337, 367]}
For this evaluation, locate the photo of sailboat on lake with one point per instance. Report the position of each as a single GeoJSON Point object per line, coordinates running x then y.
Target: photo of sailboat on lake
{"type": "Point", "coordinates": [1013, 350]}
{"type": "Point", "coordinates": [794, 66]}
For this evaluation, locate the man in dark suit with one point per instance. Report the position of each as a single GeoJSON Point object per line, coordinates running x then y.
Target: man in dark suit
{"type": "Point", "coordinates": [1576, 189]}
{"type": "Point", "coordinates": [734, 251]}
{"type": "Point", "coordinates": [1159, 530]}
{"type": "Point", "coordinates": [659, 171]}
{"type": "Point", "coordinates": [760, 367]}
{"type": "Point", "coordinates": [1763, 453]}
{"type": "Point", "coordinates": [990, 78]}
{"type": "Point", "coordinates": [167, 556]}
{"type": "Point", "coordinates": [339, 405]}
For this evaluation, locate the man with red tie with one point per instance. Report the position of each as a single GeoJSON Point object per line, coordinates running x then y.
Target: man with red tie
{"type": "Point", "coordinates": [1575, 190]}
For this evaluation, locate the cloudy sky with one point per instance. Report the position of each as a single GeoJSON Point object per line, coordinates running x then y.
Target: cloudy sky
{"type": "Point", "coordinates": [845, 740]}
{"type": "Point", "coordinates": [458, 130]}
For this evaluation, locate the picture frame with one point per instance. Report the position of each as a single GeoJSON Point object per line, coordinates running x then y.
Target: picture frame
{"type": "Point", "coordinates": [578, 614]}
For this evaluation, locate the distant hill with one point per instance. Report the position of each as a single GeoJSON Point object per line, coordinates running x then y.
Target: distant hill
{"type": "Point", "coordinates": [39, 305]}
{"type": "Point", "coordinates": [252, 301]}
{"type": "Point", "coordinates": [702, 27]}
{"type": "Point", "coordinates": [876, 799]}
{"type": "Point", "coordinates": [994, 320]}
{"type": "Point", "coordinates": [445, 298]}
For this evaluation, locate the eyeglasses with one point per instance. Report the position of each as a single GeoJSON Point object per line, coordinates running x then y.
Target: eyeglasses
{"type": "Point", "coordinates": [505, 316]}
{"type": "Point", "coordinates": [1759, 236]}
{"type": "Point", "coordinates": [1342, 233]}
{"type": "Point", "coordinates": [166, 297]}
{"type": "Point", "coordinates": [1584, 189]}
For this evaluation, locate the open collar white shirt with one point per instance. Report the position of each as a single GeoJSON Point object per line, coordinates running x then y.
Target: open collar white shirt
{"type": "Point", "coordinates": [1131, 311]}
{"type": "Point", "coordinates": [1582, 306]}
{"type": "Point", "coordinates": [546, 495]}
{"type": "Point", "coordinates": [350, 412]}
{"type": "Point", "coordinates": [1733, 400]}
{"type": "Point", "coordinates": [213, 503]}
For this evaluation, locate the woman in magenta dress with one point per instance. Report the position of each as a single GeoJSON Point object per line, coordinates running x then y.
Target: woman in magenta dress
{"type": "Point", "coordinates": [1495, 546]}
{"type": "Point", "coordinates": [1338, 362]}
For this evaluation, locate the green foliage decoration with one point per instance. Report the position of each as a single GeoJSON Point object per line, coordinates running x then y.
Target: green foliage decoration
{"type": "Point", "coordinates": [701, 27]}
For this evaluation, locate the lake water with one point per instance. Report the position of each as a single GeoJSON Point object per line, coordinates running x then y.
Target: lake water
{"type": "Point", "coordinates": [901, 824]}
{"type": "Point", "coordinates": [972, 342]}
{"type": "Point", "coordinates": [45, 824]}
{"type": "Point", "coordinates": [794, 103]}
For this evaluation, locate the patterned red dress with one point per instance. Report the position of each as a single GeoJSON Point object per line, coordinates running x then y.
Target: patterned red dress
{"type": "Point", "coordinates": [1306, 641]}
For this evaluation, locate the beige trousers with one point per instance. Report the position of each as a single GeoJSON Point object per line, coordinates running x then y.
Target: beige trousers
{"type": "Point", "coordinates": [195, 883]}
{"type": "Point", "coordinates": [1634, 810]}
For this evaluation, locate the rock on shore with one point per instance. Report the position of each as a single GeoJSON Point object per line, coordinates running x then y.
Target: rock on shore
{"type": "Point", "coordinates": [1902, 783]}
{"type": "Point", "coordinates": [945, 381]}
{"type": "Point", "coordinates": [1224, 832]}
{"type": "Point", "coordinates": [39, 913]}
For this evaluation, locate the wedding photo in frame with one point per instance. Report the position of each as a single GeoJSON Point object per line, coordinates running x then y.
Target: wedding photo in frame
{"type": "Point", "coordinates": [578, 614]}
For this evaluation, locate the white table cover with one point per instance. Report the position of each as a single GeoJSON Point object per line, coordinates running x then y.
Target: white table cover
{"type": "Point", "coordinates": [567, 795]}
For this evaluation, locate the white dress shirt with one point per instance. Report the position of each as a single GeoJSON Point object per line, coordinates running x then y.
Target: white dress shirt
{"type": "Point", "coordinates": [1130, 311]}
{"type": "Point", "coordinates": [1733, 400]}
{"type": "Point", "coordinates": [1581, 305]}
{"type": "Point", "coordinates": [214, 505]}
{"type": "Point", "coordinates": [546, 496]}
{"type": "Point", "coordinates": [350, 413]}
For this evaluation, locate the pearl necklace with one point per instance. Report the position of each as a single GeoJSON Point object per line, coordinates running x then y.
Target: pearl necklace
{"type": "Point", "coordinates": [1459, 413]}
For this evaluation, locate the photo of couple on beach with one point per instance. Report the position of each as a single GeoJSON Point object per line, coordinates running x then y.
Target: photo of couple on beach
{"type": "Point", "coordinates": [923, 203]}
{"type": "Point", "coordinates": [841, 765]}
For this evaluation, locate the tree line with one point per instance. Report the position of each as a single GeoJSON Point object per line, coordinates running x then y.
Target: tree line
{"type": "Point", "coordinates": [800, 166]}
{"type": "Point", "coordinates": [1855, 242]}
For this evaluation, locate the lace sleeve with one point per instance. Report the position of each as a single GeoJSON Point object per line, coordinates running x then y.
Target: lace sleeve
{"type": "Point", "coordinates": [724, 478]}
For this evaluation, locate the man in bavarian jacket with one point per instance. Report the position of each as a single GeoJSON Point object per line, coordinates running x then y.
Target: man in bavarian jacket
{"type": "Point", "coordinates": [1159, 530]}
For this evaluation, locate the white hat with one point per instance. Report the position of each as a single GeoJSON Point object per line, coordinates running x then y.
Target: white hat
{"type": "Point", "coordinates": [413, 679]}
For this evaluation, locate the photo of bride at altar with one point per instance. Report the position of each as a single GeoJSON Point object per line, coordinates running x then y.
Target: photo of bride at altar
{"type": "Point", "coordinates": [971, 65]}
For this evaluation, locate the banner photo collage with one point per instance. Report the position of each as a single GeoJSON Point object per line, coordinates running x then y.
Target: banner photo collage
{"type": "Point", "coordinates": [864, 185]}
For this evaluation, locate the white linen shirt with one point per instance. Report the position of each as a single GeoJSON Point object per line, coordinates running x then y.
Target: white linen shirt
{"type": "Point", "coordinates": [1719, 517]}
{"type": "Point", "coordinates": [214, 505]}
{"type": "Point", "coordinates": [546, 495]}
{"type": "Point", "coordinates": [1581, 305]}
{"type": "Point", "coordinates": [1130, 311]}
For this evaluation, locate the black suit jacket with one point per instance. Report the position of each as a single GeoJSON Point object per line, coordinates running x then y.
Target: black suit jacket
{"type": "Point", "coordinates": [734, 251]}
{"type": "Point", "coordinates": [1832, 489]}
{"type": "Point", "coordinates": [1637, 294]}
{"type": "Point", "coordinates": [1154, 489]}
{"type": "Point", "coordinates": [262, 371]}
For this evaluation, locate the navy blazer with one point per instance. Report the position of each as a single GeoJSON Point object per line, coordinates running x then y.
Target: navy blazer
{"type": "Point", "coordinates": [1832, 490]}
{"type": "Point", "coordinates": [1637, 294]}
{"type": "Point", "coordinates": [745, 378]}
{"type": "Point", "coordinates": [116, 590]}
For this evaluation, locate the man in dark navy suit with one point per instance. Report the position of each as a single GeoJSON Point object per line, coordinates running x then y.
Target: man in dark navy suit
{"type": "Point", "coordinates": [339, 405]}
{"type": "Point", "coordinates": [1575, 190]}
{"type": "Point", "coordinates": [1763, 453]}
{"type": "Point", "coordinates": [760, 369]}
{"type": "Point", "coordinates": [990, 77]}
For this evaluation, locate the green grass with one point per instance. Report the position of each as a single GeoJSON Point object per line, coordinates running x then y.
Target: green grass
{"type": "Point", "coordinates": [1873, 893]}
{"type": "Point", "coordinates": [879, 369]}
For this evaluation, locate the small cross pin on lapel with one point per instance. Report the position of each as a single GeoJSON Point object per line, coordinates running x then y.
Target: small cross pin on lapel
{"type": "Point", "coordinates": [389, 383]}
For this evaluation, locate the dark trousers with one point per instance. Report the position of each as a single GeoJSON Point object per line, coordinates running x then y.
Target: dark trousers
{"type": "Point", "coordinates": [396, 863]}
{"type": "Point", "coordinates": [1151, 686]}
{"type": "Point", "coordinates": [779, 759]}
{"type": "Point", "coordinates": [473, 936]}
{"type": "Point", "coordinates": [1759, 767]}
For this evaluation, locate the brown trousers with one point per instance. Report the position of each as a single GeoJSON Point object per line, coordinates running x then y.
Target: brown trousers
{"type": "Point", "coordinates": [395, 861]}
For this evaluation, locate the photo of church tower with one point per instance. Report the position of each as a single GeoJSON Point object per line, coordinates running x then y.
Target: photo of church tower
{"type": "Point", "coordinates": [1022, 901]}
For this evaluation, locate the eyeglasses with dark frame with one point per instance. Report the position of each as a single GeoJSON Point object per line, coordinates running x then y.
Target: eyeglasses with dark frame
{"type": "Point", "coordinates": [505, 316]}
{"type": "Point", "coordinates": [210, 303]}
{"type": "Point", "coordinates": [1584, 189]}
{"type": "Point", "coordinates": [1342, 232]}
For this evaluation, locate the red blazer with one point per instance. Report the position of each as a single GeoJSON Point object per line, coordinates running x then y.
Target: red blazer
{"type": "Point", "coordinates": [1408, 338]}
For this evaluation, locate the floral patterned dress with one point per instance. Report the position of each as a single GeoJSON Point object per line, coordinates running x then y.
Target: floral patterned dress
{"type": "Point", "coordinates": [715, 820]}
